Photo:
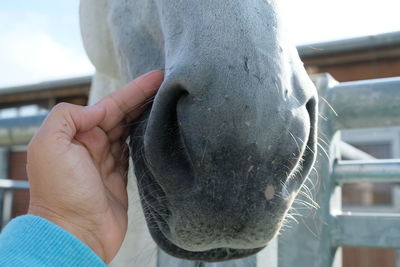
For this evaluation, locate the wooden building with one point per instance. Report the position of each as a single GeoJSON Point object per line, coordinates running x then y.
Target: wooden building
{"type": "Point", "coordinates": [360, 58]}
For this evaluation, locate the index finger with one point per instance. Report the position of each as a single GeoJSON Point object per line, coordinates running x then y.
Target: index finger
{"type": "Point", "coordinates": [133, 95]}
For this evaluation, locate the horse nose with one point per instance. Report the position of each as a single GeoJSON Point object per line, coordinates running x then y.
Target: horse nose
{"type": "Point", "coordinates": [203, 125]}
{"type": "Point", "coordinates": [164, 145]}
{"type": "Point", "coordinates": [176, 132]}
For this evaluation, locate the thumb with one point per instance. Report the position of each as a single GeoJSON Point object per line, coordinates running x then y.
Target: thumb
{"type": "Point", "coordinates": [70, 119]}
{"type": "Point", "coordinates": [86, 118]}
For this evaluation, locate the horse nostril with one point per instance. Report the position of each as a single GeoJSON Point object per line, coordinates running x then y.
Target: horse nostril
{"type": "Point", "coordinates": [164, 146]}
{"type": "Point", "coordinates": [311, 107]}
{"type": "Point", "coordinates": [308, 156]}
{"type": "Point", "coordinates": [172, 142]}
{"type": "Point", "coordinates": [310, 153]}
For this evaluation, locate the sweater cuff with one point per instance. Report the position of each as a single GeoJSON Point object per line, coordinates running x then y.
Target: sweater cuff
{"type": "Point", "coordinates": [33, 241]}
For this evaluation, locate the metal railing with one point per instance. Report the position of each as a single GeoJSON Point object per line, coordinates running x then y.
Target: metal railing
{"type": "Point", "coordinates": [13, 131]}
{"type": "Point", "coordinates": [8, 184]}
{"type": "Point", "coordinates": [7, 188]}
{"type": "Point", "coordinates": [19, 130]}
{"type": "Point", "coordinates": [317, 238]}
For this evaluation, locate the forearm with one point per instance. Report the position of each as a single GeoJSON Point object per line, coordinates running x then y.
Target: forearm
{"type": "Point", "coordinates": [32, 241]}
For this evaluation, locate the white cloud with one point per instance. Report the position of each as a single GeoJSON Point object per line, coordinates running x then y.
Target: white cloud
{"type": "Point", "coordinates": [28, 53]}
{"type": "Point", "coordinates": [321, 20]}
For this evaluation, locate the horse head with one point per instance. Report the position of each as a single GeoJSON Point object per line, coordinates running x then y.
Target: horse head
{"type": "Point", "coordinates": [231, 135]}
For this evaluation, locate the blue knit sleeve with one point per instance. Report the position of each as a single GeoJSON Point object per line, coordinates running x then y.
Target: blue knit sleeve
{"type": "Point", "coordinates": [33, 241]}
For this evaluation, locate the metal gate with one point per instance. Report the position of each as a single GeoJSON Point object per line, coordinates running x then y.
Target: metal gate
{"type": "Point", "coordinates": [315, 240]}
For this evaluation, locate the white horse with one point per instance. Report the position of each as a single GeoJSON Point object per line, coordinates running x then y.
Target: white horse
{"type": "Point", "coordinates": [229, 139]}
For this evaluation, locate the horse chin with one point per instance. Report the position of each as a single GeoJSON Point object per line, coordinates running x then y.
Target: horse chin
{"type": "Point", "coordinates": [212, 255]}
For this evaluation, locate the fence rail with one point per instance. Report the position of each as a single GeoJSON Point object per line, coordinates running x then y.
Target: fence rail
{"type": "Point", "coordinates": [8, 184]}
{"type": "Point", "coordinates": [356, 171]}
{"type": "Point", "coordinates": [367, 230]}
{"type": "Point", "coordinates": [20, 130]}
{"type": "Point", "coordinates": [361, 104]}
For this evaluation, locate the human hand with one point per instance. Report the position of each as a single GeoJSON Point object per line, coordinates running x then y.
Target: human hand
{"type": "Point", "coordinates": [77, 166]}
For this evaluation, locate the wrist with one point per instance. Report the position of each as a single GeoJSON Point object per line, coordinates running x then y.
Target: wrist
{"type": "Point", "coordinates": [82, 229]}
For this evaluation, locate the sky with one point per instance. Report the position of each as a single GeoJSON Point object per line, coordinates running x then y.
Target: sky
{"type": "Point", "coordinates": [40, 40]}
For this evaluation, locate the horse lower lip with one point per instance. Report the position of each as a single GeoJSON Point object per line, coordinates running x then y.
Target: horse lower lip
{"type": "Point", "coordinates": [214, 255]}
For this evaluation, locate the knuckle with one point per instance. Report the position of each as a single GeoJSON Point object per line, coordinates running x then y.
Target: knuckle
{"type": "Point", "coordinates": [61, 107]}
